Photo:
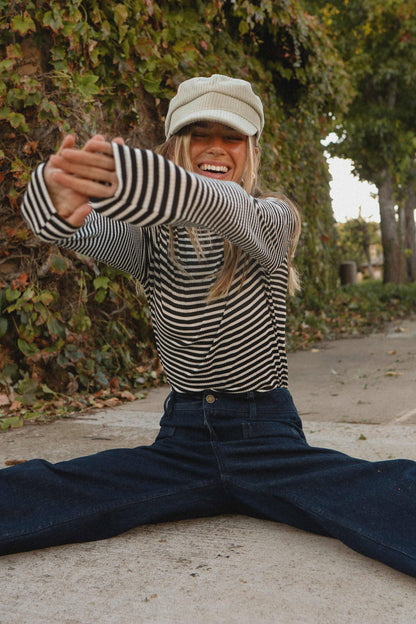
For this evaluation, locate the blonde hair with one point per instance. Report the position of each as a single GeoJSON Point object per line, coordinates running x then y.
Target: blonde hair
{"type": "Point", "coordinates": [177, 150]}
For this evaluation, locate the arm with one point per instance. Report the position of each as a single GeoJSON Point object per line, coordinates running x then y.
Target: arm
{"type": "Point", "coordinates": [153, 191]}
{"type": "Point", "coordinates": [98, 238]}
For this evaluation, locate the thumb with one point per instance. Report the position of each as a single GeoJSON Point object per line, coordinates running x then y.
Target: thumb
{"type": "Point", "coordinates": [79, 215]}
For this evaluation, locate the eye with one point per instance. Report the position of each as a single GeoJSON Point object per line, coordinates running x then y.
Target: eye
{"type": "Point", "coordinates": [236, 138]}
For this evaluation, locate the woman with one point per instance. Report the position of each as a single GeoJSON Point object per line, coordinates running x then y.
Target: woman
{"type": "Point", "coordinates": [214, 256]}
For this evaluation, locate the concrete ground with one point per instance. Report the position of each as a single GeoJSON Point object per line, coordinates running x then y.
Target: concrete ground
{"type": "Point", "coordinates": [357, 395]}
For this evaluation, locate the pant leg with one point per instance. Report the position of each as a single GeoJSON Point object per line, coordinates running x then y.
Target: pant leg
{"type": "Point", "coordinates": [98, 496]}
{"type": "Point", "coordinates": [273, 473]}
{"type": "Point", "coordinates": [369, 507]}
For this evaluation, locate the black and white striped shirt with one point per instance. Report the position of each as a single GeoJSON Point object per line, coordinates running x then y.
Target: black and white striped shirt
{"type": "Point", "coordinates": [235, 343]}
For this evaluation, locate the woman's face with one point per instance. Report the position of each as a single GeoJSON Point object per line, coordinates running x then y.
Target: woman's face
{"type": "Point", "coordinates": [218, 151]}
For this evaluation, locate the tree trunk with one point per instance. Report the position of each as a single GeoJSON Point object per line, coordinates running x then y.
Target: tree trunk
{"type": "Point", "coordinates": [369, 263]}
{"type": "Point", "coordinates": [389, 232]}
{"type": "Point", "coordinates": [410, 233]}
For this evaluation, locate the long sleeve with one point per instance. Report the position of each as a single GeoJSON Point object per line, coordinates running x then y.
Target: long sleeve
{"type": "Point", "coordinates": [153, 191]}
{"type": "Point", "coordinates": [121, 245]}
{"type": "Point", "coordinates": [39, 212]}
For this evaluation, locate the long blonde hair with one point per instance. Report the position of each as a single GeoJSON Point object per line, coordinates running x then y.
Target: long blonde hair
{"type": "Point", "coordinates": [177, 150]}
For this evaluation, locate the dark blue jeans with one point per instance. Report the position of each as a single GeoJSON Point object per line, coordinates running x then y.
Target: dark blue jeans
{"type": "Point", "coordinates": [216, 454]}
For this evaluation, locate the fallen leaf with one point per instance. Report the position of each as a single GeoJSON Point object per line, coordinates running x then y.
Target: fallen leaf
{"type": "Point", "coordinates": [111, 402]}
{"type": "Point", "coordinates": [21, 281]}
{"type": "Point", "coordinates": [14, 462]}
{"type": "Point", "coordinates": [4, 399]}
{"type": "Point", "coordinates": [126, 394]}
{"type": "Point", "coordinates": [392, 374]}
{"type": "Point", "coordinates": [31, 147]}
{"type": "Point", "coordinates": [16, 405]}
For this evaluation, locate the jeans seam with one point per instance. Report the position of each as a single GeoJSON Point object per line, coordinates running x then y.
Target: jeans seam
{"type": "Point", "coordinates": [331, 519]}
{"type": "Point", "coordinates": [103, 509]}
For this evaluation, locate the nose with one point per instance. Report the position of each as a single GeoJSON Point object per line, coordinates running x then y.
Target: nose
{"type": "Point", "coordinates": [216, 145]}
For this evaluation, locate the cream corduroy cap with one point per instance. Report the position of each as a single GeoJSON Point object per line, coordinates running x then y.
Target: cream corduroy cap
{"type": "Point", "coordinates": [221, 99]}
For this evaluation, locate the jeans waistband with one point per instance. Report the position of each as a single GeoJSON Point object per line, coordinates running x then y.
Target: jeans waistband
{"type": "Point", "coordinates": [238, 396]}
{"type": "Point", "coordinates": [192, 408]}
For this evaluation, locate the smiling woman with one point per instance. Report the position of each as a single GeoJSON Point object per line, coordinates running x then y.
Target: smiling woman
{"type": "Point", "coordinates": [213, 254]}
{"type": "Point", "coordinates": [218, 151]}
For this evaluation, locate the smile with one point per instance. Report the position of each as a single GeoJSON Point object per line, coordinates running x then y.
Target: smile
{"type": "Point", "coordinates": [214, 168]}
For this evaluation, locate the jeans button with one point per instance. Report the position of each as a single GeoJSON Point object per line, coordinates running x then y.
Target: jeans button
{"type": "Point", "coordinates": [210, 398]}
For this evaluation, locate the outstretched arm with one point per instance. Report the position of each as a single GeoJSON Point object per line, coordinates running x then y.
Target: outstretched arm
{"type": "Point", "coordinates": [152, 191]}
{"type": "Point", "coordinates": [63, 217]}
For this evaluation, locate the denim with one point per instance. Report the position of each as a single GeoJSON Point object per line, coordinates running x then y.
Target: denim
{"type": "Point", "coordinates": [216, 453]}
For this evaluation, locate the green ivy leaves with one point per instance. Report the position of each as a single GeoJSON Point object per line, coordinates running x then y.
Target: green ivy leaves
{"type": "Point", "coordinates": [23, 23]}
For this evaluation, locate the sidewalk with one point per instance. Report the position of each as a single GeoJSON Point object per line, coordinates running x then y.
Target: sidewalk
{"type": "Point", "coordinates": [357, 395]}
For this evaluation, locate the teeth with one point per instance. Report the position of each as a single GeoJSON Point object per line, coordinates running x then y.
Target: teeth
{"type": "Point", "coordinates": [214, 168]}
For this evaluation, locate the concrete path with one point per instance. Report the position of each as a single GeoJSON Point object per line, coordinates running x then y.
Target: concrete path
{"type": "Point", "coordinates": [357, 395]}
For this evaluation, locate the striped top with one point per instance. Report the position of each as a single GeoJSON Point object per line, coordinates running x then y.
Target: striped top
{"type": "Point", "coordinates": [233, 344]}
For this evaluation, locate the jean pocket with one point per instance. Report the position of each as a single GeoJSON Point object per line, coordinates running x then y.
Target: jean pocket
{"type": "Point", "coordinates": [272, 428]}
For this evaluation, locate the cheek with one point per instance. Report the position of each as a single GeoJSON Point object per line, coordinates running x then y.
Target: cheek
{"type": "Point", "coordinates": [240, 158]}
{"type": "Point", "coordinates": [192, 155]}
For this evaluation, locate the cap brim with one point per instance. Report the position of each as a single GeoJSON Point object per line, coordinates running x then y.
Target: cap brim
{"type": "Point", "coordinates": [226, 118]}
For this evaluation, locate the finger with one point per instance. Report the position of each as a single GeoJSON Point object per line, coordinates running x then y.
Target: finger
{"type": "Point", "coordinates": [87, 174]}
{"type": "Point", "coordinates": [77, 218]}
{"type": "Point", "coordinates": [68, 142]}
{"type": "Point", "coordinates": [79, 161]}
{"type": "Point", "coordinates": [88, 188]}
{"type": "Point", "coordinates": [119, 141]}
{"type": "Point", "coordinates": [94, 139]}
{"type": "Point", "coordinates": [99, 145]}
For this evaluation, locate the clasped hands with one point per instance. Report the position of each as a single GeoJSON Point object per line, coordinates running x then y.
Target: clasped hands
{"type": "Point", "coordinates": [72, 176]}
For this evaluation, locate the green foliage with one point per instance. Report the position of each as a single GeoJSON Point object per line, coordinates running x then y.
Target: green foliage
{"type": "Point", "coordinates": [361, 308]}
{"type": "Point", "coordinates": [58, 342]}
{"type": "Point", "coordinates": [355, 237]}
{"type": "Point", "coordinates": [377, 43]}
{"type": "Point", "coordinates": [377, 132]}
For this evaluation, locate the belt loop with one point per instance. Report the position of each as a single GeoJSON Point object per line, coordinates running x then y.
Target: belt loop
{"type": "Point", "coordinates": [168, 404]}
{"type": "Point", "coordinates": [252, 404]}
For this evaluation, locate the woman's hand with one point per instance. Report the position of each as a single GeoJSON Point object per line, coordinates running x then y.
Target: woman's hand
{"type": "Point", "coordinates": [70, 204]}
{"type": "Point", "coordinates": [73, 176]}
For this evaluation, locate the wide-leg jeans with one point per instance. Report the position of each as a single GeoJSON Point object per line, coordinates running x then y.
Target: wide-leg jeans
{"type": "Point", "coordinates": [216, 453]}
